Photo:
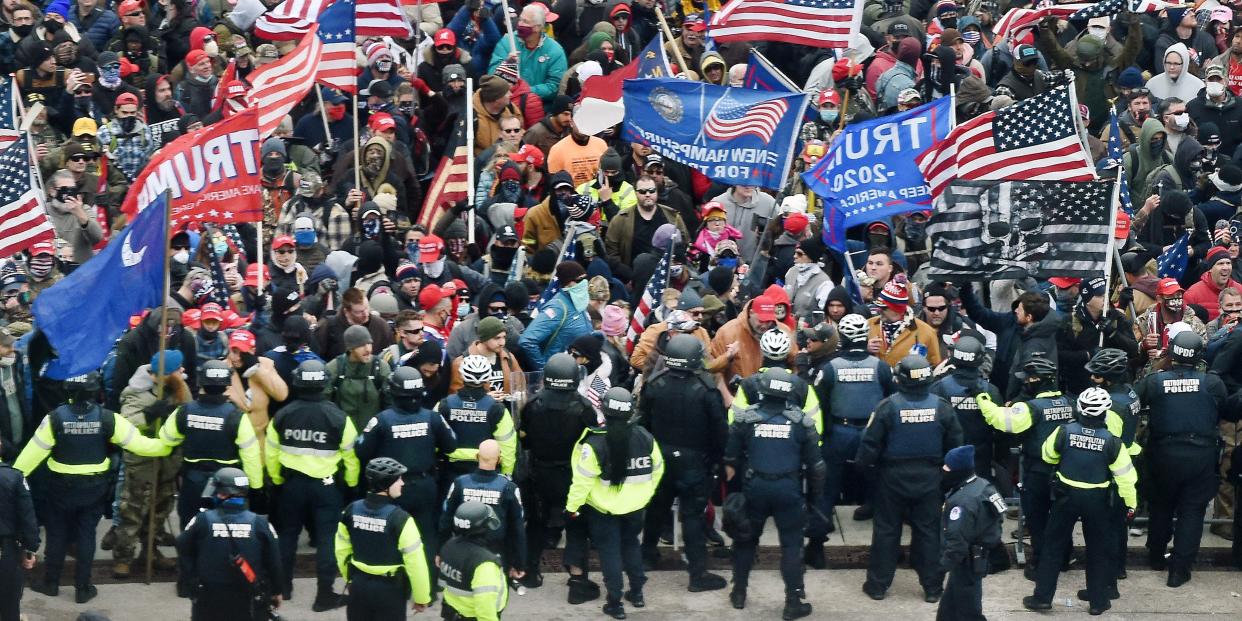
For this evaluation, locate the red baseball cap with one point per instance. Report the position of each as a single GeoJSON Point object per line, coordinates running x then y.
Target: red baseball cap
{"type": "Point", "coordinates": [1122, 230]}
{"type": "Point", "coordinates": [430, 249]}
{"type": "Point", "coordinates": [381, 122]}
{"type": "Point", "coordinates": [1064, 282]}
{"type": "Point", "coordinates": [235, 88]}
{"type": "Point", "coordinates": [694, 22]}
{"type": "Point", "coordinates": [211, 310]}
{"type": "Point", "coordinates": [252, 275]}
{"type": "Point", "coordinates": [43, 247]}
{"type": "Point", "coordinates": [529, 154]}
{"type": "Point", "coordinates": [763, 308]}
{"type": "Point", "coordinates": [828, 96]}
{"type": "Point", "coordinates": [129, 6]}
{"type": "Point", "coordinates": [191, 319]}
{"type": "Point", "coordinates": [1168, 286]}
{"type": "Point", "coordinates": [278, 242]}
{"type": "Point", "coordinates": [195, 57]}
{"type": "Point", "coordinates": [127, 98]}
{"type": "Point", "coordinates": [430, 296]}
{"type": "Point", "coordinates": [242, 340]}
{"type": "Point", "coordinates": [233, 320]}
{"type": "Point", "coordinates": [444, 36]}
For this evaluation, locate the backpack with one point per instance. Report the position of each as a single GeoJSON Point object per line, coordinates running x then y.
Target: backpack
{"type": "Point", "coordinates": [374, 376]}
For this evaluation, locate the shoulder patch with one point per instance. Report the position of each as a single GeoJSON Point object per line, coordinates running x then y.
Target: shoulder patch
{"type": "Point", "coordinates": [955, 513]}
{"type": "Point", "coordinates": [371, 424]}
{"type": "Point", "coordinates": [550, 313]}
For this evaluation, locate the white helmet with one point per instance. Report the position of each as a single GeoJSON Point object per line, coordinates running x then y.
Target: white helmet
{"type": "Point", "coordinates": [1094, 402]}
{"type": "Point", "coordinates": [774, 344]}
{"type": "Point", "coordinates": [854, 328]}
{"type": "Point", "coordinates": [476, 370]}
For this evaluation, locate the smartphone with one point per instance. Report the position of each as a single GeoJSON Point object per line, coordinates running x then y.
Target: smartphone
{"type": "Point", "coordinates": [817, 317]}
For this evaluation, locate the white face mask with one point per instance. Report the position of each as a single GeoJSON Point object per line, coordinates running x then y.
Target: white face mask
{"type": "Point", "coordinates": [1214, 89]}
{"type": "Point", "coordinates": [212, 48]}
{"type": "Point", "coordinates": [1181, 121]}
{"type": "Point", "coordinates": [181, 256]}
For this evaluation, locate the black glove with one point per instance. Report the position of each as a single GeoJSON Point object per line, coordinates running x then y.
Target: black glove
{"type": "Point", "coordinates": [1125, 297]}
{"type": "Point", "coordinates": [462, 207]}
{"type": "Point", "coordinates": [158, 411]}
{"type": "Point", "coordinates": [248, 360]}
{"type": "Point", "coordinates": [852, 83]}
{"type": "Point", "coordinates": [259, 501]}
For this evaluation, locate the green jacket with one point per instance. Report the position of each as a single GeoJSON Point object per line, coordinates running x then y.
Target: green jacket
{"type": "Point", "coordinates": [358, 387]}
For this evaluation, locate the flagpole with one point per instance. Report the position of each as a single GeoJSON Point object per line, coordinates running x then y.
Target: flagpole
{"type": "Point", "coordinates": [323, 114]}
{"type": "Point", "coordinates": [470, 159]}
{"type": "Point", "coordinates": [681, 61]}
{"type": "Point", "coordinates": [1112, 245]}
{"type": "Point", "coordinates": [509, 30]}
{"type": "Point", "coordinates": [159, 386]}
{"type": "Point", "coordinates": [357, 148]}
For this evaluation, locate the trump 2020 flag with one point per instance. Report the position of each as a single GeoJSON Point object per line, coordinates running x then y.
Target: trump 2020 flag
{"type": "Point", "coordinates": [736, 136]}
{"type": "Point", "coordinates": [122, 280]}
{"type": "Point", "coordinates": [1172, 262]}
{"type": "Point", "coordinates": [870, 174]}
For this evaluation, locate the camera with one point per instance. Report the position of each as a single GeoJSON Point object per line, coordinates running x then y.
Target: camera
{"type": "Point", "coordinates": [64, 193]}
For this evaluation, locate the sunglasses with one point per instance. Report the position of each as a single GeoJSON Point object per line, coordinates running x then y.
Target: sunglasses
{"type": "Point", "coordinates": [410, 332]}
{"type": "Point", "coordinates": [497, 309]}
{"type": "Point", "coordinates": [79, 158]}
{"type": "Point", "coordinates": [935, 309]}
{"type": "Point", "coordinates": [445, 48]}
{"type": "Point", "coordinates": [646, 191]}
{"type": "Point", "coordinates": [512, 131]}
{"type": "Point", "coordinates": [181, 247]}
{"type": "Point", "coordinates": [140, 14]}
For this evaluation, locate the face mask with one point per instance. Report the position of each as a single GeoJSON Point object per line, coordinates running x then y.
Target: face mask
{"type": "Point", "coordinates": [110, 75]}
{"type": "Point", "coordinates": [948, 22]}
{"type": "Point", "coordinates": [41, 266]}
{"type": "Point", "coordinates": [676, 270]}
{"type": "Point", "coordinates": [181, 256]}
{"type": "Point", "coordinates": [1098, 31]}
{"type": "Point", "coordinates": [1214, 89]}
{"type": "Point", "coordinates": [219, 247]}
{"type": "Point", "coordinates": [579, 294]}
{"type": "Point", "coordinates": [524, 31]}
{"type": "Point", "coordinates": [972, 37]}
{"type": "Point", "coordinates": [806, 267]}
{"type": "Point", "coordinates": [609, 54]}
{"type": "Point", "coordinates": [411, 251]}
{"type": "Point", "coordinates": [273, 166]}
{"type": "Point", "coordinates": [615, 182]}
{"type": "Point", "coordinates": [128, 124]}
{"type": "Point", "coordinates": [212, 48]}
{"type": "Point", "coordinates": [1181, 121]}
{"type": "Point", "coordinates": [463, 310]}
{"type": "Point", "coordinates": [23, 31]}
{"type": "Point", "coordinates": [1157, 146]}
{"type": "Point", "coordinates": [336, 113]}
{"type": "Point", "coordinates": [383, 66]}
{"type": "Point", "coordinates": [407, 110]}
{"type": "Point", "coordinates": [53, 26]}
{"type": "Point", "coordinates": [202, 78]}
{"type": "Point", "coordinates": [1174, 305]}
{"type": "Point", "coordinates": [829, 116]}
{"type": "Point", "coordinates": [509, 190]}
{"type": "Point", "coordinates": [434, 270]}
{"type": "Point", "coordinates": [305, 238]}
{"type": "Point", "coordinates": [502, 257]}
{"type": "Point", "coordinates": [371, 228]}
{"type": "Point", "coordinates": [915, 231]}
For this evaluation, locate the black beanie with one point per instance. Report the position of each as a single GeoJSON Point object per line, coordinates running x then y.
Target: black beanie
{"type": "Point", "coordinates": [1175, 203]}
{"type": "Point", "coordinates": [516, 297]}
{"type": "Point", "coordinates": [720, 279]}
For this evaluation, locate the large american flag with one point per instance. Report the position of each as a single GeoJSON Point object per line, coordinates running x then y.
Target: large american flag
{"type": "Point", "coordinates": [1018, 19]}
{"type": "Point", "coordinates": [1115, 162]}
{"type": "Point", "coordinates": [651, 297]}
{"type": "Point", "coordinates": [381, 18]}
{"type": "Point", "coordinates": [289, 20]}
{"type": "Point", "coordinates": [730, 119]}
{"type": "Point", "coordinates": [1113, 7]}
{"type": "Point", "coordinates": [338, 67]}
{"type": "Point", "coordinates": [817, 23]}
{"type": "Point", "coordinates": [1034, 140]}
{"type": "Point", "coordinates": [23, 222]}
{"type": "Point", "coordinates": [451, 181]}
{"type": "Point", "coordinates": [9, 100]}
{"type": "Point", "coordinates": [279, 86]}
{"type": "Point", "coordinates": [1011, 229]}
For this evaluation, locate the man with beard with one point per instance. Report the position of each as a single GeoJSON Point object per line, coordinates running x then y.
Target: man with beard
{"type": "Point", "coordinates": [75, 221]}
{"type": "Point", "coordinates": [278, 182]}
{"type": "Point", "coordinates": [198, 87]}
{"type": "Point", "coordinates": [125, 139]}
{"type": "Point", "coordinates": [553, 127]}
{"type": "Point", "coordinates": [331, 220]}
{"type": "Point", "coordinates": [579, 154]}
{"type": "Point", "coordinates": [163, 111]}
{"type": "Point", "coordinates": [631, 231]}
{"type": "Point", "coordinates": [1151, 329]}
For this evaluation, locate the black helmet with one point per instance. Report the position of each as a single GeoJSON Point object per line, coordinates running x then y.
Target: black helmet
{"type": "Point", "coordinates": [406, 383]}
{"type": "Point", "coordinates": [475, 518]}
{"type": "Point", "coordinates": [776, 383]}
{"type": "Point", "coordinates": [215, 373]}
{"type": "Point", "coordinates": [382, 472]}
{"type": "Point", "coordinates": [231, 482]}
{"type": "Point", "coordinates": [618, 403]}
{"type": "Point", "coordinates": [1038, 366]}
{"type": "Point", "coordinates": [86, 382]}
{"type": "Point", "coordinates": [684, 352]}
{"type": "Point", "coordinates": [1109, 363]}
{"type": "Point", "coordinates": [968, 353]}
{"type": "Point", "coordinates": [1186, 347]}
{"type": "Point", "coordinates": [311, 375]}
{"type": "Point", "coordinates": [561, 372]}
{"type": "Point", "coordinates": [914, 371]}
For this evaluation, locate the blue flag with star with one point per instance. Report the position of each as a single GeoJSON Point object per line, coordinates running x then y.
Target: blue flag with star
{"type": "Point", "coordinates": [1172, 263]}
{"type": "Point", "coordinates": [124, 279]}
{"type": "Point", "coordinates": [1114, 161]}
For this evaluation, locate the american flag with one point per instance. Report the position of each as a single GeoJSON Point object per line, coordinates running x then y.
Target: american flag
{"type": "Point", "coordinates": [817, 23]}
{"type": "Point", "coordinates": [338, 68]}
{"type": "Point", "coordinates": [219, 285]}
{"type": "Point", "coordinates": [1018, 19]}
{"type": "Point", "coordinates": [730, 119]}
{"type": "Point", "coordinates": [1113, 7]}
{"type": "Point", "coordinates": [1172, 262]}
{"type": "Point", "coordinates": [289, 20]}
{"type": "Point", "coordinates": [1032, 140]}
{"type": "Point", "coordinates": [381, 18]}
{"type": "Point", "coordinates": [277, 87]}
{"type": "Point", "coordinates": [1114, 161]}
{"type": "Point", "coordinates": [451, 181]}
{"type": "Point", "coordinates": [1011, 229]}
{"type": "Point", "coordinates": [23, 222]}
{"type": "Point", "coordinates": [230, 74]}
{"type": "Point", "coordinates": [651, 297]}
{"type": "Point", "coordinates": [9, 100]}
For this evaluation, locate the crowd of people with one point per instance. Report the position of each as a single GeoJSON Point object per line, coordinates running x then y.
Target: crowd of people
{"type": "Point", "coordinates": [438, 405]}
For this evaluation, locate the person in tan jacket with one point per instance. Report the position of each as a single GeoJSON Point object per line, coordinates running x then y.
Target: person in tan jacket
{"type": "Point", "coordinates": [651, 343]}
{"type": "Point", "coordinates": [737, 342]}
{"type": "Point", "coordinates": [491, 103]}
{"type": "Point", "coordinates": [490, 343]}
{"type": "Point", "coordinates": [256, 384]}
{"type": "Point", "coordinates": [895, 334]}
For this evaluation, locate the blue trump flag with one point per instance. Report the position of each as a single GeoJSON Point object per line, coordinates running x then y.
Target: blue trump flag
{"type": "Point", "coordinates": [85, 313]}
{"type": "Point", "coordinates": [736, 136]}
{"type": "Point", "coordinates": [869, 172]}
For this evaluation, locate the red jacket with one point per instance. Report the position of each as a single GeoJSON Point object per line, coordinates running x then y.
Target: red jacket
{"type": "Point", "coordinates": [1205, 293]}
{"type": "Point", "coordinates": [527, 103]}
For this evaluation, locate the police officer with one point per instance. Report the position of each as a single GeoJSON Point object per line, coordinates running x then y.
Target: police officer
{"type": "Point", "coordinates": [906, 440]}
{"type": "Point", "coordinates": [774, 345]}
{"type": "Point", "coordinates": [1043, 409]}
{"type": "Point", "coordinates": [228, 556]}
{"type": "Point", "coordinates": [684, 411]}
{"type": "Point", "coordinates": [213, 434]}
{"type": "Point", "coordinates": [1110, 370]}
{"type": "Point", "coordinates": [74, 439]}
{"type": "Point", "coordinates": [773, 440]}
{"type": "Point", "coordinates": [1089, 460]}
{"type": "Point", "coordinates": [379, 550]}
{"type": "Point", "coordinates": [552, 422]}
{"type": "Point", "coordinates": [617, 468]}
{"type": "Point", "coordinates": [959, 388]}
{"type": "Point", "coordinates": [19, 539]}
{"type": "Point", "coordinates": [476, 416]}
{"type": "Point", "coordinates": [307, 442]}
{"type": "Point", "coordinates": [496, 490]}
{"type": "Point", "coordinates": [1184, 408]}
{"type": "Point", "coordinates": [474, 582]}
{"type": "Point", "coordinates": [970, 526]}
{"type": "Point", "coordinates": [852, 384]}
{"type": "Point", "coordinates": [417, 438]}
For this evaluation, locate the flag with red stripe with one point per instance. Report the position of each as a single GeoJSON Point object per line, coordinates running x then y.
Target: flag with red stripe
{"type": "Point", "coordinates": [1018, 19]}
{"type": "Point", "coordinates": [278, 87]}
{"type": "Point", "coordinates": [381, 18]}
{"type": "Point", "coordinates": [9, 111]}
{"type": "Point", "coordinates": [651, 298]}
{"type": "Point", "coordinates": [289, 20]}
{"type": "Point", "coordinates": [338, 68]}
{"type": "Point", "coordinates": [1034, 140]}
{"type": "Point", "coordinates": [230, 74]}
{"type": "Point", "coordinates": [816, 23]}
{"type": "Point", "coordinates": [451, 182]}
{"type": "Point", "coordinates": [23, 222]}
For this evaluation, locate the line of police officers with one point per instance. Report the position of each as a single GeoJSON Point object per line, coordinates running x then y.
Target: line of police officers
{"type": "Point", "coordinates": [925, 443]}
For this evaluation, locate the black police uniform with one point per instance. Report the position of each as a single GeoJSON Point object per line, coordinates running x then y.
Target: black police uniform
{"type": "Point", "coordinates": [970, 526]}
{"type": "Point", "coordinates": [1127, 406]}
{"type": "Point", "coordinates": [850, 386]}
{"type": "Point", "coordinates": [907, 439]}
{"type": "Point", "coordinates": [685, 413]}
{"type": "Point", "coordinates": [1185, 406]}
{"type": "Point", "coordinates": [775, 441]}
{"type": "Point", "coordinates": [959, 388]}
{"type": "Point", "coordinates": [501, 494]}
{"type": "Point", "coordinates": [210, 443]}
{"type": "Point", "coordinates": [382, 559]}
{"type": "Point", "coordinates": [461, 559]}
{"type": "Point", "coordinates": [417, 439]}
{"type": "Point", "coordinates": [206, 556]}
{"type": "Point", "coordinates": [551, 424]}
{"type": "Point", "coordinates": [19, 535]}
{"type": "Point", "coordinates": [473, 420]}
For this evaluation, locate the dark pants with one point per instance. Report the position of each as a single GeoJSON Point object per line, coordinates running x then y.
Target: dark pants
{"type": "Point", "coordinates": [780, 499]}
{"type": "Point", "coordinates": [577, 546]}
{"type": "Point", "coordinates": [1036, 503]}
{"type": "Point", "coordinates": [419, 499]}
{"type": "Point", "coordinates": [616, 539]}
{"type": "Point", "coordinates": [1095, 508]}
{"type": "Point", "coordinates": [907, 493]}
{"type": "Point", "coordinates": [12, 579]}
{"type": "Point", "coordinates": [1237, 528]}
{"type": "Point", "coordinates": [1183, 480]}
{"type": "Point", "coordinates": [75, 505]}
{"type": "Point", "coordinates": [963, 595]}
{"type": "Point", "coordinates": [839, 450]}
{"type": "Point", "coordinates": [307, 501]}
{"type": "Point", "coordinates": [1120, 533]}
{"type": "Point", "coordinates": [686, 479]}
{"type": "Point", "coordinates": [544, 493]}
{"type": "Point", "coordinates": [376, 598]}
{"type": "Point", "coordinates": [224, 603]}
{"type": "Point", "coordinates": [190, 498]}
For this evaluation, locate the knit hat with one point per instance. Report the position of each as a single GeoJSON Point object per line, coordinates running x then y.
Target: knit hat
{"type": "Point", "coordinates": [720, 279]}
{"type": "Point", "coordinates": [510, 173]}
{"type": "Point", "coordinates": [569, 271]}
{"type": "Point", "coordinates": [376, 51]}
{"type": "Point", "coordinates": [960, 459]}
{"type": "Point", "coordinates": [689, 300]}
{"type": "Point", "coordinates": [712, 305]}
{"type": "Point", "coordinates": [895, 296]}
{"type": "Point", "coordinates": [489, 328]}
{"type": "Point", "coordinates": [508, 71]}
{"type": "Point", "coordinates": [559, 104]}
{"type": "Point", "coordinates": [273, 145]}
{"type": "Point", "coordinates": [588, 346]}
{"type": "Point", "coordinates": [384, 302]}
{"type": "Point", "coordinates": [406, 270]}
{"type": "Point", "coordinates": [610, 160]}
{"type": "Point", "coordinates": [173, 359]}
{"type": "Point", "coordinates": [813, 250]}
{"type": "Point", "coordinates": [59, 7]}
{"type": "Point", "coordinates": [356, 336]}
{"type": "Point", "coordinates": [1217, 253]}
{"type": "Point", "coordinates": [430, 351]}
{"type": "Point", "coordinates": [453, 72]}
{"type": "Point", "coordinates": [492, 88]}
{"type": "Point", "coordinates": [616, 321]}
{"type": "Point", "coordinates": [1130, 77]}
{"type": "Point", "coordinates": [1227, 179]}
{"type": "Point", "coordinates": [663, 234]}
{"type": "Point", "coordinates": [796, 223]}
{"type": "Point", "coordinates": [580, 206]}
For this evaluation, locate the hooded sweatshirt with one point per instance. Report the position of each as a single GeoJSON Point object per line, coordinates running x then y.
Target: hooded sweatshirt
{"type": "Point", "coordinates": [1186, 87]}
{"type": "Point", "coordinates": [1140, 161]}
{"type": "Point", "coordinates": [711, 59]}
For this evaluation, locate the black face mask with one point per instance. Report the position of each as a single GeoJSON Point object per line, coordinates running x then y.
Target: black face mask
{"type": "Point", "coordinates": [948, 22]}
{"type": "Point", "coordinates": [502, 258]}
{"type": "Point", "coordinates": [53, 26]}
{"type": "Point", "coordinates": [272, 167]}
{"type": "Point", "coordinates": [615, 182]}
{"type": "Point", "coordinates": [23, 31]}
{"type": "Point", "coordinates": [915, 231]}
{"type": "Point", "coordinates": [952, 480]}
{"type": "Point", "coordinates": [128, 124]}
